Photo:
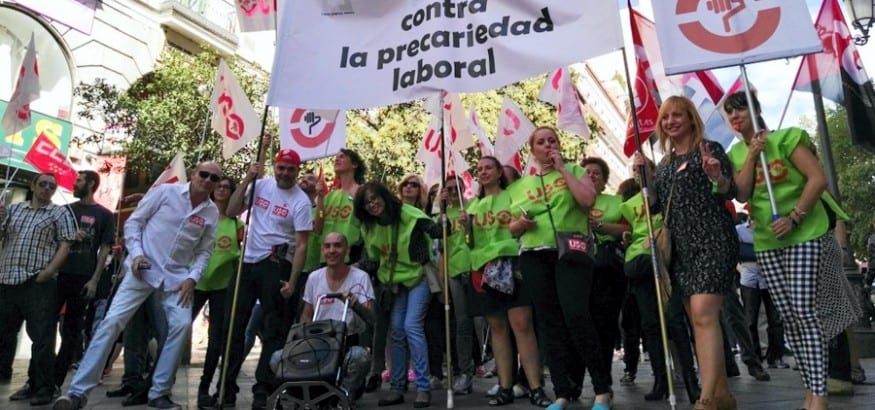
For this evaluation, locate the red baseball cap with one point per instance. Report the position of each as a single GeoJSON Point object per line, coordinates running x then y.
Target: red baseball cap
{"type": "Point", "coordinates": [288, 156]}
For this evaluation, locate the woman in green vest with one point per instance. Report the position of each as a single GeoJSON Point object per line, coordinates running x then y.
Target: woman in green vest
{"type": "Point", "coordinates": [609, 282]}
{"type": "Point", "coordinates": [558, 199]}
{"type": "Point", "coordinates": [489, 216]}
{"type": "Point", "coordinates": [212, 287]}
{"type": "Point", "coordinates": [397, 238]}
{"type": "Point", "coordinates": [797, 250]}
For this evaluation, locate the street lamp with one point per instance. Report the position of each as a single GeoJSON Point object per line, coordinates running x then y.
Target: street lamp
{"type": "Point", "coordinates": [861, 16]}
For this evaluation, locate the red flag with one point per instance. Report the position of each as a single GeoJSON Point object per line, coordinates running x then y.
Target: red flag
{"type": "Point", "coordinates": [17, 115]}
{"type": "Point", "coordinates": [47, 158]}
{"type": "Point", "coordinates": [646, 102]}
{"type": "Point", "coordinates": [840, 73]}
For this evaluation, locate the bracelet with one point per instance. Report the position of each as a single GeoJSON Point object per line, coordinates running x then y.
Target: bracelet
{"type": "Point", "coordinates": [794, 221]}
{"type": "Point", "coordinates": [801, 214]}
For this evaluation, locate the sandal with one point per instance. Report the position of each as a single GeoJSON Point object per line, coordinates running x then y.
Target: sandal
{"type": "Point", "coordinates": [504, 396]}
{"type": "Point", "coordinates": [538, 398]}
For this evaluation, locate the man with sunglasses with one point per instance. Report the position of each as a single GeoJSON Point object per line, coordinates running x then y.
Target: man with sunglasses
{"type": "Point", "coordinates": [281, 214]}
{"type": "Point", "coordinates": [36, 237]}
{"type": "Point", "coordinates": [170, 238]}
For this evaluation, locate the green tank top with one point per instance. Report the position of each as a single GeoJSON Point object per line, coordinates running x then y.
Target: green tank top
{"type": "Point", "coordinates": [607, 210]}
{"type": "Point", "coordinates": [222, 263]}
{"type": "Point", "coordinates": [490, 217]}
{"type": "Point", "coordinates": [378, 244]}
{"type": "Point", "coordinates": [787, 184]}
{"type": "Point", "coordinates": [568, 215]}
{"type": "Point", "coordinates": [338, 217]}
{"type": "Point", "coordinates": [634, 212]}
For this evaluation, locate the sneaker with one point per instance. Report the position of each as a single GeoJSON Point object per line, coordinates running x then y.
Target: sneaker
{"type": "Point", "coordinates": [758, 373]}
{"type": "Point", "coordinates": [837, 387]}
{"type": "Point", "coordinates": [628, 379]}
{"type": "Point", "coordinates": [493, 391]}
{"type": "Point", "coordinates": [411, 376]}
{"type": "Point", "coordinates": [435, 382]}
{"type": "Point", "coordinates": [69, 402]}
{"type": "Point", "coordinates": [44, 396]}
{"type": "Point", "coordinates": [462, 386]}
{"type": "Point", "coordinates": [519, 391]}
{"type": "Point", "coordinates": [163, 402]}
{"type": "Point", "coordinates": [778, 364]}
{"type": "Point", "coordinates": [24, 393]}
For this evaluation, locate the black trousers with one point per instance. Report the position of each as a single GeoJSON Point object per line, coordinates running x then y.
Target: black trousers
{"type": "Point", "coordinates": [606, 301]}
{"type": "Point", "coordinates": [70, 293]}
{"type": "Point", "coordinates": [33, 303]}
{"type": "Point", "coordinates": [215, 332]}
{"type": "Point", "coordinates": [753, 298]}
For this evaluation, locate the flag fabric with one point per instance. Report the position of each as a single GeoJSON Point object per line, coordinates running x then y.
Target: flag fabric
{"type": "Point", "coordinates": [256, 15]}
{"type": "Point", "coordinates": [694, 36]}
{"type": "Point", "coordinates": [514, 129]}
{"type": "Point", "coordinates": [313, 134]}
{"type": "Point", "coordinates": [483, 142]}
{"type": "Point", "coordinates": [173, 173]}
{"type": "Point", "coordinates": [448, 106]}
{"type": "Point", "coordinates": [112, 177]}
{"type": "Point", "coordinates": [646, 101]}
{"type": "Point", "coordinates": [840, 74]}
{"type": "Point", "coordinates": [703, 89]}
{"type": "Point", "coordinates": [45, 156]}
{"type": "Point", "coordinates": [560, 91]}
{"type": "Point", "coordinates": [431, 155]}
{"type": "Point", "coordinates": [737, 86]}
{"type": "Point", "coordinates": [17, 115]}
{"type": "Point", "coordinates": [233, 116]}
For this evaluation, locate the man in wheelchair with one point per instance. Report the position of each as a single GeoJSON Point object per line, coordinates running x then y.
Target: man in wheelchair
{"type": "Point", "coordinates": [354, 284]}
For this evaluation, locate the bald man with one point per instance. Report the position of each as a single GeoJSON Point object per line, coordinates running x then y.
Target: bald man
{"type": "Point", "coordinates": [169, 237]}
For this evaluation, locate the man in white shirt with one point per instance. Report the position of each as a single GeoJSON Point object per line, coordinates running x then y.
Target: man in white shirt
{"type": "Point", "coordinates": [281, 213]}
{"type": "Point", "coordinates": [355, 285]}
{"type": "Point", "coordinates": [170, 238]}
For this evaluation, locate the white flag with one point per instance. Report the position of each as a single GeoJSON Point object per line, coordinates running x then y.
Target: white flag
{"type": "Point", "coordinates": [233, 116]}
{"type": "Point", "coordinates": [486, 147]}
{"type": "Point", "coordinates": [561, 92]}
{"type": "Point", "coordinates": [313, 134]}
{"type": "Point", "coordinates": [173, 173]}
{"type": "Point", "coordinates": [514, 129]}
{"type": "Point", "coordinates": [17, 115]}
{"type": "Point", "coordinates": [430, 154]}
{"type": "Point", "coordinates": [256, 15]}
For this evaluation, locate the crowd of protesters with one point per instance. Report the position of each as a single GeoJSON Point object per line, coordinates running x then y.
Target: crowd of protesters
{"type": "Point", "coordinates": [503, 251]}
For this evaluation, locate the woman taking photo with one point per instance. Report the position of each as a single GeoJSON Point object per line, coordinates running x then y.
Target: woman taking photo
{"type": "Point", "coordinates": [488, 215]}
{"type": "Point", "coordinates": [693, 181]}
{"type": "Point", "coordinates": [396, 236]}
{"type": "Point", "coordinates": [559, 200]}
{"type": "Point", "coordinates": [796, 252]}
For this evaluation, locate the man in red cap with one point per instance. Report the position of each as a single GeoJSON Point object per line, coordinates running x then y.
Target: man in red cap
{"type": "Point", "coordinates": [281, 214]}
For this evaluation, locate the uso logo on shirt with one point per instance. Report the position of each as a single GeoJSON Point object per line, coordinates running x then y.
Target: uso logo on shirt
{"type": "Point", "coordinates": [196, 220]}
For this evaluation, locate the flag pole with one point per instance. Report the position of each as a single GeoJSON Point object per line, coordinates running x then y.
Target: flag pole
{"type": "Point", "coordinates": [645, 194]}
{"type": "Point", "coordinates": [756, 130]}
{"type": "Point", "coordinates": [825, 147]}
{"type": "Point", "coordinates": [258, 158]}
{"type": "Point", "coordinates": [783, 113]}
{"type": "Point", "coordinates": [445, 257]}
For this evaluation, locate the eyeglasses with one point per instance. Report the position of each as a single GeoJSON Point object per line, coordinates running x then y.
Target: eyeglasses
{"type": "Point", "coordinates": [224, 186]}
{"type": "Point", "coordinates": [44, 184]}
{"type": "Point", "coordinates": [411, 184]}
{"type": "Point", "coordinates": [213, 177]}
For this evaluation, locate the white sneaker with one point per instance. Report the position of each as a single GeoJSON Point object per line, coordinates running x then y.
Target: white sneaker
{"type": "Point", "coordinates": [462, 385]}
{"type": "Point", "coordinates": [493, 391]}
{"type": "Point", "coordinates": [519, 391]}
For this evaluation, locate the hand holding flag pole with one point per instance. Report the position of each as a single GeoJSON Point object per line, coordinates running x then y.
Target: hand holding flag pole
{"type": "Point", "coordinates": [756, 131]}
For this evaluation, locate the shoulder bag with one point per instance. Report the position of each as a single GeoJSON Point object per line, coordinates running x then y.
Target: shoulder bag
{"type": "Point", "coordinates": [573, 247]}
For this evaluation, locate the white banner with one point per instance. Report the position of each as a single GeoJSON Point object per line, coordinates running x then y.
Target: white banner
{"type": "Point", "coordinates": [696, 35]}
{"type": "Point", "coordinates": [313, 134]}
{"type": "Point", "coordinates": [383, 52]}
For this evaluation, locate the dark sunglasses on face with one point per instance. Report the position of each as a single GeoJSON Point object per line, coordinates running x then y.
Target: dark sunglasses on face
{"type": "Point", "coordinates": [213, 177]}
{"type": "Point", "coordinates": [44, 184]}
{"type": "Point", "coordinates": [411, 184]}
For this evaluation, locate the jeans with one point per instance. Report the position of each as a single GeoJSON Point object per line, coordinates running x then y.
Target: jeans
{"type": "Point", "coordinates": [215, 332]}
{"type": "Point", "coordinates": [464, 325]}
{"type": "Point", "coordinates": [753, 298]}
{"type": "Point", "coordinates": [408, 317]}
{"type": "Point", "coordinates": [131, 294]}
{"type": "Point", "coordinates": [70, 293]}
{"type": "Point", "coordinates": [33, 303]}
{"type": "Point", "coordinates": [253, 328]}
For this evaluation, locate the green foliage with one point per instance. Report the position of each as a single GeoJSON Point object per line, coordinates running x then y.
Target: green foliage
{"type": "Point", "coordinates": [166, 111]}
{"type": "Point", "coordinates": [855, 170]}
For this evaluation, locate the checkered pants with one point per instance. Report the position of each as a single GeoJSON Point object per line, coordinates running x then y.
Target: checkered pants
{"type": "Point", "coordinates": [792, 275]}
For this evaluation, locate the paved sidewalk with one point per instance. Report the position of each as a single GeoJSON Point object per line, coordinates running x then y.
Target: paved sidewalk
{"type": "Point", "coordinates": [783, 392]}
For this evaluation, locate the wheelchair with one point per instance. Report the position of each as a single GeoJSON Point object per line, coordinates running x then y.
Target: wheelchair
{"type": "Point", "coordinates": [311, 367]}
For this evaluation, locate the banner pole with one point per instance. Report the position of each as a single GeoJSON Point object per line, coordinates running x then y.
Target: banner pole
{"type": "Point", "coordinates": [445, 257]}
{"type": "Point", "coordinates": [755, 116]}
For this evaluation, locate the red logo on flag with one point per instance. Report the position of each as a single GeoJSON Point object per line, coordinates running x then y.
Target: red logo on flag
{"type": "Point", "coordinates": [765, 25]}
{"type": "Point", "coordinates": [46, 157]}
{"type": "Point", "coordinates": [234, 126]}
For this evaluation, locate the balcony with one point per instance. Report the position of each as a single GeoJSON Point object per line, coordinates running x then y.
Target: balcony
{"type": "Point", "coordinates": [213, 22]}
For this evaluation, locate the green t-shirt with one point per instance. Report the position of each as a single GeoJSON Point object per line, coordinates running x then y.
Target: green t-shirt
{"type": "Point", "coordinates": [457, 247]}
{"type": "Point", "coordinates": [490, 218]}
{"type": "Point", "coordinates": [787, 185]}
{"type": "Point", "coordinates": [378, 245]}
{"type": "Point", "coordinates": [314, 250]}
{"type": "Point", "coordinates": [223, 260]}
{"type": "Point", "coordinates": [607, 210]}
{"type": "Point", "coordinates": [338, 217]}
{"type": "Point", "coordinates": [568, 215]}
{"type": "Point", "coordinates": [634, 212]}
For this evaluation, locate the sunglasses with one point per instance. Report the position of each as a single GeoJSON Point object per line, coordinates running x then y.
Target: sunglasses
{"type": "Point", "coordinates": [213, 177]}
{"type": "Point", "coordinates": [412, 184]}
{"type": "Point", "coordinates": [44, 184]}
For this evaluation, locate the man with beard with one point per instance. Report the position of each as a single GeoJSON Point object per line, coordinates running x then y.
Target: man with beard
{"type": "Point", "coordinates": [281, 213]}
{"type": "Point", "coordinates": [80, 273]}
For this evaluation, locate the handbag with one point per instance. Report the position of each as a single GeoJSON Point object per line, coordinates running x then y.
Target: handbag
{"type": "Point", "coordinates": [573, 247]}
{"type": "Point", "coordinates": [498, 276]}
{"type": "Point", "coordinates": [386, 297]}
{"type": "Point", "coordinates": [663, 234]}
{"type": "Point", "coordinates": [610, 256]}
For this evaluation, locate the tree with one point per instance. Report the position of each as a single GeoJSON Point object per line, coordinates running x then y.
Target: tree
{"type": "Point", "coordinates": [855, 170]}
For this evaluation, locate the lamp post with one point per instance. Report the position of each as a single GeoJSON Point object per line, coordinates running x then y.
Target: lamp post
{"type": "Point", "coordinates": [862, 18]}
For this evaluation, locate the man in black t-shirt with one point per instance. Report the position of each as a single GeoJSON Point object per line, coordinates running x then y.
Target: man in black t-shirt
{"type": "Point", "coordinates": [81, 272]}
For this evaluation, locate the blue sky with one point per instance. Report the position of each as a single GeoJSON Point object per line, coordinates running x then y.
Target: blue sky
{"type": "Point", "coordinates": [773, 79]}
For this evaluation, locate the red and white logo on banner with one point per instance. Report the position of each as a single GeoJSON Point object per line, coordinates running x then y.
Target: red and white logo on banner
{"type": "Point", "coordinates": [312, 133]}
{"type": "Point", "coordinates": [256, 15]}
{"type": "Point", "coordinates": [45, 156]}
{"type": "Point", "coordinates": [560, 91]}
{"type": "Point", "coordinates": [112, 179]}
{"type": "Point", "coordinates": [233, 116]}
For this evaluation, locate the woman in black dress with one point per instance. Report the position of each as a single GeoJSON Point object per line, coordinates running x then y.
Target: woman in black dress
{"type": "Point", "coordinates": [693, 183]}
